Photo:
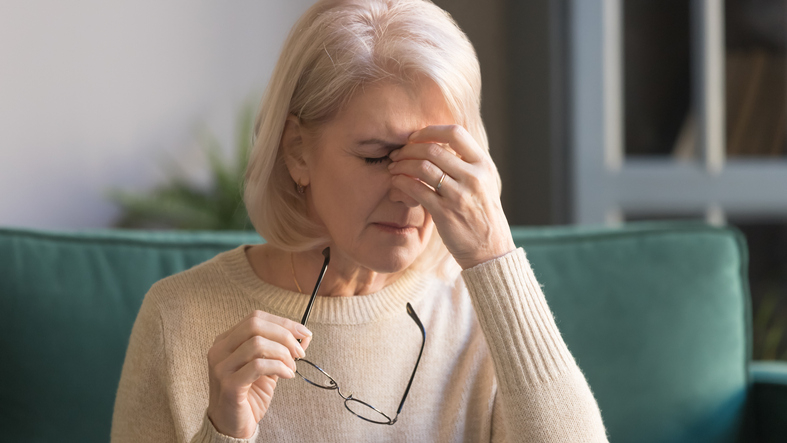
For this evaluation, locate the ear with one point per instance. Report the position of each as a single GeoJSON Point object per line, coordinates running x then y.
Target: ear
{"type": "Point", "coordinates": [294, 150]}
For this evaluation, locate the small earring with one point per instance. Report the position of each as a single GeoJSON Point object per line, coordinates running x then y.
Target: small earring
{"type": "Point", "coordinates": [301, 189]}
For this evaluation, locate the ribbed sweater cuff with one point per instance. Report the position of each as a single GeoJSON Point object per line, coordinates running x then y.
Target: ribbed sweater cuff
{"type": "Point", "coordinates": [524, 340]}
{"type": "Point", "coordinates": [209, 434]}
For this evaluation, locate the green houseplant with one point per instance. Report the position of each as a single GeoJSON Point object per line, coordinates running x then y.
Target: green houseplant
{"type": "Point", "coordinates": [181, 204]}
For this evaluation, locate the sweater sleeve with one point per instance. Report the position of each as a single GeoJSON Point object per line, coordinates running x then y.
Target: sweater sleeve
{"type": "Point", "coordinates": [141, 408]}
{"type": "Point", "coordinates": [209, 434]}
{"type": "Point", "coordinates": [542, 394]}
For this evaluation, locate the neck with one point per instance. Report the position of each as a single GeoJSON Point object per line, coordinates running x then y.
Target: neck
{"type": "Point", "coordinates": [344, 277]}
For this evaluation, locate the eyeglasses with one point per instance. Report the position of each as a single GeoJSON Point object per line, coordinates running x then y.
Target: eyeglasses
{"type": "Point", "coordinates": [316, 376]}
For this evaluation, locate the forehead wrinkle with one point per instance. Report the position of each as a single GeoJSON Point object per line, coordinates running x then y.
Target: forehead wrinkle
{"type": "Point", "coordinates": [386, 114]}
{"type": "Point", "coordinates": [386, 145]}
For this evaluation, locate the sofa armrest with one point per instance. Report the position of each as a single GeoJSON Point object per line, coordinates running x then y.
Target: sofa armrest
{"type": "Point", "coordinates": [769, 395]}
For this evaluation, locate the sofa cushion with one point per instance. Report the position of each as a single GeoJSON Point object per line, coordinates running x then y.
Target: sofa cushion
{"type": "Point", "coordinates": [658, 317]}
{"type": "Point", "coordinates": [655, 314]}
{"type": "Point", "coordinates": [67, 305]}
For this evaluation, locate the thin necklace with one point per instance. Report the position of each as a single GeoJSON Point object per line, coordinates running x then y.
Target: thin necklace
{"type": "Point", "coordinates": [295, 279]}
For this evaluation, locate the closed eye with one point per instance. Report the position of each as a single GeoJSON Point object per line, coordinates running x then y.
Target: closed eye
{"type": "Point", "coordinates": [375, 160]}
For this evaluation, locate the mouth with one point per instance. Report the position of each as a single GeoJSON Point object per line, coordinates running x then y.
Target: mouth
{"type": "Point", "coordinates": [395, 228]}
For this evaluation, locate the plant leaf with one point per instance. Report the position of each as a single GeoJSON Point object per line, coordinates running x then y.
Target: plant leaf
{"type": "Point", "coordinates": [179, 204]}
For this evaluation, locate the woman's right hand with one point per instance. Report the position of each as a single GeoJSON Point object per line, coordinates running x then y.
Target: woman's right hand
{"type": "Point", "coordinates": [244, 364]}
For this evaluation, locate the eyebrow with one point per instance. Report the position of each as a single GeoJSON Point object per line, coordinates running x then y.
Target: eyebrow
{"type": "Point", "coordinates": [385, 144]}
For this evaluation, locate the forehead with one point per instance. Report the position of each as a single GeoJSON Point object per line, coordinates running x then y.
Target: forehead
{"type": "Point", "coordinates": [392, 110]}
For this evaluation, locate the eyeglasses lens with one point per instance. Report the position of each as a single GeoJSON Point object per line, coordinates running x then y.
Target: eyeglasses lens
{"type": "Point", "coordinates": [312, 374]}
{"type": "Point", "coordinates": [366, 412]}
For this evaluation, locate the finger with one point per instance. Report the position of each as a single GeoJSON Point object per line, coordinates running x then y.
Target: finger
{"type": "Point", "coordinates": [421, 193]}
{"type": "Point", "coordinates": [457, 138]}
{"type": "Point", "coordinates": [305, 342]}
{"type": "Point", "coordinates": [427, 172]}
{"type": "Point", "coordinates": [255, 347]}
{"type": "Point", "coordinates": [262, 327]}
{"type": "Point", "coordinates": [297, 329]}
{"type": "Point", "coordinates": [226, 333]}
{"type": "Point", "coordinates": [253, 370]}
{"type": "Point", "coordinates": [439, 155]}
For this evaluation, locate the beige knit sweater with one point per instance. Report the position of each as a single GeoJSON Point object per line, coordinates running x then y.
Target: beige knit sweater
{"type": "Point", "coordinates": [494, 367]}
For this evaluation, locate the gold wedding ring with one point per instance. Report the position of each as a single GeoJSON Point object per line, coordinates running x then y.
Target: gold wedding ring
{"type": "Point", "coordinates": [440, 183]}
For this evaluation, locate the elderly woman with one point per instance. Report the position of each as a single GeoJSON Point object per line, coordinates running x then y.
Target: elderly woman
{"type": "Point", "coordinates": [370, 180]}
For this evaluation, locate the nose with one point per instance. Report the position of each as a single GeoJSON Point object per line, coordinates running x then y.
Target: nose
{"type": "Point", "coordinates": [397, 195]}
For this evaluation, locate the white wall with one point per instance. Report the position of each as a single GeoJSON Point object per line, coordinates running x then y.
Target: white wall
{"type": "Point", "coordinates": [93, 94]}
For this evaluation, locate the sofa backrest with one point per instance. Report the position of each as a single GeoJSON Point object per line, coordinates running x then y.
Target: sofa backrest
{"type": "Point", "coordinates": [658, 317]}
{"type": "Point", "coordinates": [67, 305]}
{"type": "Point", "coordinates": [655, 314]}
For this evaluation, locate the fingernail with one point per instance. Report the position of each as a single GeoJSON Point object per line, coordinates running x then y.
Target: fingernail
{"type": "Point", "coordinates": [391, 166]}
{"type": "Point", "coordinates": [302, 329]}
{"type": "Point", "coordinates": [292, 374]}
{"type": "Point", "coordinates": [412, 136]}
{"type": "Point", "coordinates": [393, 154]}
{"type": "Point", "coordinates": [301, 352]}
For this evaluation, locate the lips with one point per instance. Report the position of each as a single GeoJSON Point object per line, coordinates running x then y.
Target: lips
{"type": "Point", "coordinates": [397, 228]}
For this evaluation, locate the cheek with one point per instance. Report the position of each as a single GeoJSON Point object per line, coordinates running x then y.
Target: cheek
{"type": "Point", "coordinates": [348, 198]}
{"type": "Point", "coordinates": [428, 227]}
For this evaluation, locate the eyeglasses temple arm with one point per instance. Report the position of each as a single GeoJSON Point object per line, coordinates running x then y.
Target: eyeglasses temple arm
{"type": "Point", "coordinates": [423, 341]}
{"type": "Point", "coordinates": [327, 254]}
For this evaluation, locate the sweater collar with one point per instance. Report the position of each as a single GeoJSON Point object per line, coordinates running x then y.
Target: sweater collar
{"type": "Point", "coordinates": [389, 301]}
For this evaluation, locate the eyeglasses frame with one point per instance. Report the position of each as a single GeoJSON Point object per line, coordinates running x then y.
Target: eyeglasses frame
{"type": "Point", "coordinates": [335, 386]}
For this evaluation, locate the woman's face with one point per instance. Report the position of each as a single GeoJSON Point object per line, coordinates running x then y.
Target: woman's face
{"type": "Point", "coordinates": [371, 223]}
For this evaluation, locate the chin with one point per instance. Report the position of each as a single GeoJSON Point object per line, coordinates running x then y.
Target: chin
{"type": "Point", "coordinates": [391, 260]}
{"type": "Point", "coordinates": [388, 255]}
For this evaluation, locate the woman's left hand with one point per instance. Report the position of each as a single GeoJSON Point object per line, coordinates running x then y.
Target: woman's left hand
{"type": "Point", "coordinates": [466, 206]}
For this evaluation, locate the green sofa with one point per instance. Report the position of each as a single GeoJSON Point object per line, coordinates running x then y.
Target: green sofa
{"type": "Point", "coordinates": [657, 315]}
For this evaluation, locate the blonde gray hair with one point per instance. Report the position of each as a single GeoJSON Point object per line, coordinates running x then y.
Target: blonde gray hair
{"type": "Point", "coordinates": [336, 47]}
